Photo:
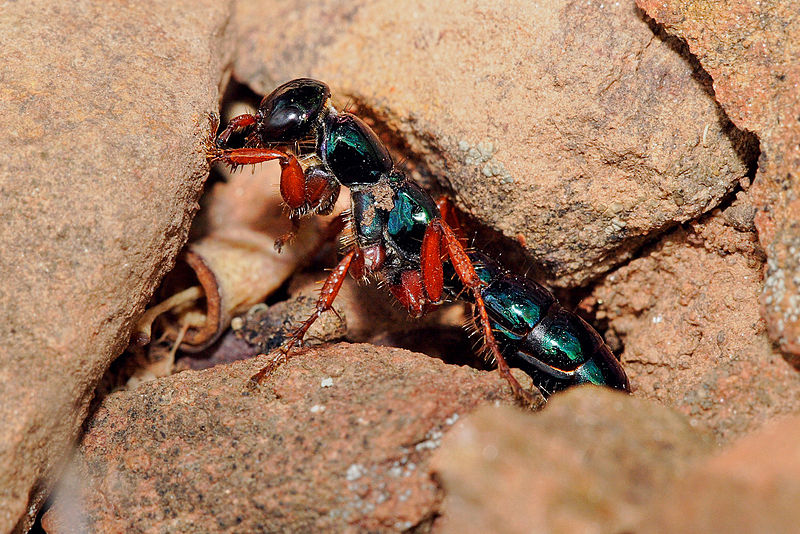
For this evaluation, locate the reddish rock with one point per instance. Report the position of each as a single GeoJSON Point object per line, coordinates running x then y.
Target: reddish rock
{"type": "Point", "coordinates": [339, 438]}
{"type": "Point", "coordinates": [687, 314]}
{"type": "Point", "coordinates": [567, 125]}
{"type": "Point", "coordinates": [751, 49]}
{"type": "Point", "coordinates": [589, 462]}
{"type": "Point", "coordinates": [104, 115]}
{"type": "Point", "coordinates": [752, 487]}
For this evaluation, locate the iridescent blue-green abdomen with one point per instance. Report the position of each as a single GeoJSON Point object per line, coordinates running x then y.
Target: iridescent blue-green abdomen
{"type": "Point", "coordinates": [554, 346]}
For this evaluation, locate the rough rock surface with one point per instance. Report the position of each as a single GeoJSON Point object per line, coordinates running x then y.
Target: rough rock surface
{"type": "Point", "coordinates": [687, 313]}
{"type": "Point", "coordinates": [589, 462]}
{"type": "Point", "coordinates": [337, 438]}
{"type": "Point", "coordinates": [751, 49]}
{"type": "Point", "coordinates": [103, 113]}
{"type": "Point", "coordinates": [568, 126]}
{"type": "Point", "coordinates": [752, 487]}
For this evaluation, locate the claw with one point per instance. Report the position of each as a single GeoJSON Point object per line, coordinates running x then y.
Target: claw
{"type": "Point", "coordinates": [525, 398]}
{"type": "Point", "coordinates": [283, 240]}
{"type": "Point", "coordinates": [270, 368]}
{"type": "Point", "coordinates": [213, 151]}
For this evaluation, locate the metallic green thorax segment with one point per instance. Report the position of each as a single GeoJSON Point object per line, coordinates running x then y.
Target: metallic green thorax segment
{"type": "Point", "coordinates": [353, 152]}
{"type": "Point", "coordinates": [406, 214]}
{"type": "Point", "coordinates": [412, 213]}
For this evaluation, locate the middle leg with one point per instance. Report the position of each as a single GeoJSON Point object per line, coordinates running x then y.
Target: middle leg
{"type": "Point", "coordinates": [327, 295]}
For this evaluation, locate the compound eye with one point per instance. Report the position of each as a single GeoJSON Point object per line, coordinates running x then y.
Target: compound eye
{"type": "Point", "coordinates": [353, 152]}
{"type": "Point", "coordinates": [290, 112]}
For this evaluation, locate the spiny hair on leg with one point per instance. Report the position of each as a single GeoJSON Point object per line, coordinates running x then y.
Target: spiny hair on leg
{"type": "Point", "coordinates": [479, 346]}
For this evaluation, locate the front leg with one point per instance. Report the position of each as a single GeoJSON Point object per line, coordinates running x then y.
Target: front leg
{"type": "Point", "coordinates": [241, 122]}
{"type": "Point", "coordinates": [313, 191]}
{"type": "Point", "coordinates": [292, 174]}
{"type": "Point", "coordinates": [234, 157]}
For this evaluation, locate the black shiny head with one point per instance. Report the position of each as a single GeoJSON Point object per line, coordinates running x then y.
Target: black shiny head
{"type": "Point", "coordinates": [292, 110]}
{"type": "Point", "coordinates": [352, 151]}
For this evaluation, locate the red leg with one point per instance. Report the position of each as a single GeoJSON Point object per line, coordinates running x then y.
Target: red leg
{"type": "Point", "coordinates": [236, 123]}
{"type": "Point", "coordinates": [369, 260]}
{"type": "Point", "coordinates": [321, 191]}
{"type": "Point", "coordinates": [466, 272]}
{"type": "Point", "coordinates": [410, 293]}
{"type": "Point", "coordinates": [249, 156]}
{"type": "Point", "coordinates": [293, 185]}
{"type": "Point", "coordinates": [327, 295]}
{"type": "Point", "coordinates": [289, 236]}
{"type": "Point", "coordinates": [292, 178]}
{"type": "Point", "coordinates": [430, 258]}
{"type": "Point", "coordinates": [310, 190]}
{"type": "Point", "coordinates": [450, 217]}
